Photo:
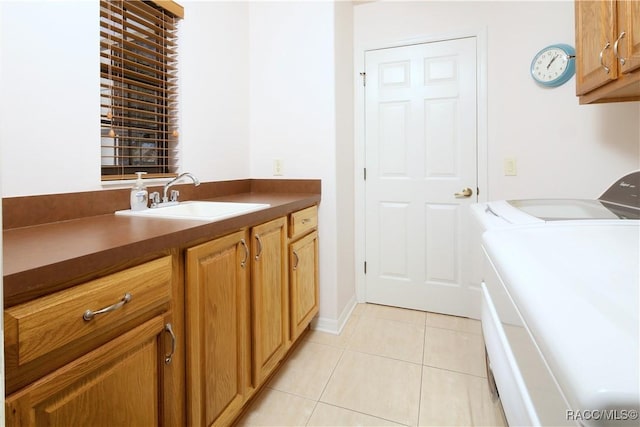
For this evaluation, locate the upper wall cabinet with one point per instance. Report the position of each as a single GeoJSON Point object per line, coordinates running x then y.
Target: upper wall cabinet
{"type": "Point", "coordinates": [607, 50]}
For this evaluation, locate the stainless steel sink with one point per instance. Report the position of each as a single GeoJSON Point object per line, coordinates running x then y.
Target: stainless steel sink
{"type": "Point", "coordinates": [198, 210]}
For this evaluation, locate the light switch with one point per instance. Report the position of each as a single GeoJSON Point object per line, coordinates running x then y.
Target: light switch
{"type": "Point", "coordinates": [510, 168]}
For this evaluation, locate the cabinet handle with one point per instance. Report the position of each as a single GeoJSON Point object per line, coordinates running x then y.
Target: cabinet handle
{"type": "Point", "coordinates": [90, 314]}
{"type": "Point", "coordinates": [306, 220]}
{"type": "Point", "coordinates": [243, 263]}
{"type": "Point", "coordinates": [168, 328]}
{"type": "Point", "coordinates": [615, 48]}
{"type": "Point", "coordinates": [259, 252]}
{"type": "Point", "coordinates": [606, 69]}
{"type": "Point", "coordinates": [295, 264]}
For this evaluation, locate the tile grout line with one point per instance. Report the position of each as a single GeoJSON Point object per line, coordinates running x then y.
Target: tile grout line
{"type": "Point", "coordinates": [363, 413]}
{"type": "Point", "coordinates": [360, 319]}
{"type": "Point", "coordinates": [424, 349]}
{"type": "Point", "coordinates": [343, 349]}
{"type": "Point", "coordinates": [454, 371]}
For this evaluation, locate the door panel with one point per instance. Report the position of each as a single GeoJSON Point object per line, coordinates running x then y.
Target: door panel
{"type": "Point", "coordinates": [218, 338]}
{"type": "Point", "coordinates": [421, 137]}
{"type": "Point", "coordinates": [269, 297]}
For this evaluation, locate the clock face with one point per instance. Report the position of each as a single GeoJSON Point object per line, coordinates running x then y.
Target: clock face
{"type": "Point", "coordinates": [553, 66]}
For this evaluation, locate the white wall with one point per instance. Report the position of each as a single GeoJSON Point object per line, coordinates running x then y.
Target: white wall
{"type": "Point", "coordinates": [258, 81]}
{"type": "Point", "coordinates": [345, 159]}
{"type": "Point", "coordinates": [264, 80]}
{"type": "Point", "coordinates": [214, 91]}
{"type": "Point", "coordinates": [297, 93]}
{"type": "Point", "coordinates": [1, 264]}
{"type": "Point", "coordinates": [50, 109]}
{"type": "Point", "coordinates": [562, 149]}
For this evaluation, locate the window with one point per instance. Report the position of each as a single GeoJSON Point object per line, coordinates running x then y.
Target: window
{"type": "Point", "coordinates": [138, 87]}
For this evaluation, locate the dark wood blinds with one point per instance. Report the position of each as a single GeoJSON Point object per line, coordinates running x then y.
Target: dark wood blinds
{"type": "Point", "coordinates": [138, 87]}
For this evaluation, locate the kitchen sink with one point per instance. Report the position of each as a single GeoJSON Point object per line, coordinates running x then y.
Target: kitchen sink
{"type": "Point", "coordinates": [197, 210]}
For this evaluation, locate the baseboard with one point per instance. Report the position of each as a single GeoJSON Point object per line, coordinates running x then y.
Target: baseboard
{"type": "Point", "coordinates": [334, 326]}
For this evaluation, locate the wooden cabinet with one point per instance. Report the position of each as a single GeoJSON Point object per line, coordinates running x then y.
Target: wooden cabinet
{"type": "Point", "coordinates": [629, 42]}
{"type": "Point", "coordinates": [269, 297]}
{"type": "Point", "coordinates": [607, 50]}
{"type": "Point", "coordinates": [121, 349]}
{"type": "Point", "coordinates": [207, 325]}
{"type": "Point", "coordinates": [217, 329]}
{"type": "Point", "coordinates": [303, 269]}
{"type": "Point", "coordinates": [243, 309]}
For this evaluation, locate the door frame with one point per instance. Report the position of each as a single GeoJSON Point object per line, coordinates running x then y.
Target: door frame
{"type": "Point", "coordinates": [359, 132]}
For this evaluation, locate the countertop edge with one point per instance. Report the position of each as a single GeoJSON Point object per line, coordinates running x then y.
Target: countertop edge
{"type": "Point", "coordinates": [42, 278]}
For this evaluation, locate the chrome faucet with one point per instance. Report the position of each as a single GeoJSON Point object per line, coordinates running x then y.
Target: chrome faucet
{"type": "Point", "coordinates": [174, 193]}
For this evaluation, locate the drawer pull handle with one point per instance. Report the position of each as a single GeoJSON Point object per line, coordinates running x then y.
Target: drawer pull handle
{"type": "Point", "coordinates": [90, 314]}
{"type": "Point", "coordinates": [243, 263]}
{"type": "Point", "coordinates": [295, 265]}
{"type": "Point", "coordinates": [306, 220]}
{"type": "Point", "coordinates": [615, 48]}
{"type": "Point", "coordinates": [168, 328]}
{"type": "Point", "coordinates": [606, 69]}
{"type": "Point", "coordinates": [259, 251]}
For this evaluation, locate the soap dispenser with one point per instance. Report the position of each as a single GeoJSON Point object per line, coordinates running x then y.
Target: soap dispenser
{"type": "Point", "coordinates": [139, 194]}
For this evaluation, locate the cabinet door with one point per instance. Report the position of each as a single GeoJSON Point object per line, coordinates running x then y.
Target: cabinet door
{"type": "Point", "coordinates": [629, 42]}
{"type": "Point", "coordinates": [217, 330]}
{"type": "Point", "coordinates": [116, 384]}
{"type": "Point", "coordinates": [269, 297]}
{"type": "Point", "coordinates": [595, 36]}
{"type": "Point", "coordinates": [303, 276]}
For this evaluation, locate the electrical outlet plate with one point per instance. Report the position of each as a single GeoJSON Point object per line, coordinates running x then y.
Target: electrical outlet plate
{"type": "Point", "coordinates": [277, 167]}
{"type": "Point", "coordinates": [510, 168]}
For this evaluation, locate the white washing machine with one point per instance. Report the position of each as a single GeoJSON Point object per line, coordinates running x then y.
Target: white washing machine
{"type": "Point", "coordinates": [621, 201]}
{"type": "Point", "coordinates": [559, 314]}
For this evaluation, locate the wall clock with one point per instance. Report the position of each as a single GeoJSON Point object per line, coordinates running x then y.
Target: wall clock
{"type": "Point", "coordinates": [554, 65]}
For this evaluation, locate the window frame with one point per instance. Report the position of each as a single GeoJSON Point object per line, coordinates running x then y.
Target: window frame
{"type": "Point", "coordinates": [139, 88]}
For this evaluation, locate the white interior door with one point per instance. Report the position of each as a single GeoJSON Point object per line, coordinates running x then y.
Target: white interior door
{"type": "Point", "coordinates": [421, 149]}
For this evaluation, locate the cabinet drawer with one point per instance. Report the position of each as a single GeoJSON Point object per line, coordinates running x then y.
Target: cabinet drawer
{"type": "Point", "coordinates": [303, 221]}
{"type": "Point", "coordinates": [38, 327]}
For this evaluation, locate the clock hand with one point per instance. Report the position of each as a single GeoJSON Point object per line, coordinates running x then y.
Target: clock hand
{"type": "Point", "coordinates": [554, 58]}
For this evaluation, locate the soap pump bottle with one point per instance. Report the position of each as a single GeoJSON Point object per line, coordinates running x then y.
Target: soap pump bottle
{"type": "Point", "coordinates": [139, 194]}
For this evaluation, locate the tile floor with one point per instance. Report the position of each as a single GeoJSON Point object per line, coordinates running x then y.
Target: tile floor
{"type": "Point", "coordinates": [389, 367]}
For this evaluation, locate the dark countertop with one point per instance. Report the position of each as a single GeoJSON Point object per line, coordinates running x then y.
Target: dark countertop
{"type": "Point", "coordinates": [45, 258]}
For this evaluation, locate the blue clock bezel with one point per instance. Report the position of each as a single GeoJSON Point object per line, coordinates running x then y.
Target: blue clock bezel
{"type": "Point", "coordinates": [568, 72]}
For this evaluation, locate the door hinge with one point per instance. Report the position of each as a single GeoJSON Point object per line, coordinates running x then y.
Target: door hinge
{"type": "Point", "coordinates": [477, 191]}
{"type": "Point", "coordinates": [364, 78]}
{"type": "Point", "coordinates": [365, 174]}
{"type": "Point", "coordinates": [365, 267]}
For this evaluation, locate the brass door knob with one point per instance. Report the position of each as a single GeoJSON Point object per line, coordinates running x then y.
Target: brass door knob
{"type": "Point", "coordinates": [466, 192]}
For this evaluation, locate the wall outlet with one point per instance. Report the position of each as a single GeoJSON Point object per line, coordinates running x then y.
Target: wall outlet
{"type": "Point", "coordinates": [510, 168]}
{"type": "Point", "coordinates": [277, 167]}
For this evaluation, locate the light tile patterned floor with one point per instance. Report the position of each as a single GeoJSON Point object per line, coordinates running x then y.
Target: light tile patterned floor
{"type": "Point", "coordinates": [389, 367]}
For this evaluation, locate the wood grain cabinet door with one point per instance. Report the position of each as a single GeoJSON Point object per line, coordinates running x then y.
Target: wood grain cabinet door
{"type": "Point", "coordinates": [303, 277]}
{"type": "Point", "coordinates": [628, 37]}
{"type": "Point", "coordinates": [269, 297]}
{"type": "Point", "coordinates": [217, 319]}
{"type": "Point", "coordinates": [595, 38]}
{"type": "Point", "coordinates": [116, 384]}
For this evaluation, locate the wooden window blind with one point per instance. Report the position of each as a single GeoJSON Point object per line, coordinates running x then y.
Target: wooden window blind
{"type": "Point", "coordinates": [138, 87]}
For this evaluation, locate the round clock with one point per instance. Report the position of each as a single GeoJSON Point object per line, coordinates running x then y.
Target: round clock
{"type": "Point", "coordinates": [554, 65]}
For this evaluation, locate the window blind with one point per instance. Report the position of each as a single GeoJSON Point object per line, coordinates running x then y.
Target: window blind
{"type": "Point", "coordinates": [138, 87]}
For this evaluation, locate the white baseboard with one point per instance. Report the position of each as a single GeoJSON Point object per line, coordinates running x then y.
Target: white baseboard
{"type": "Point", "coordinates": [334, 326]}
